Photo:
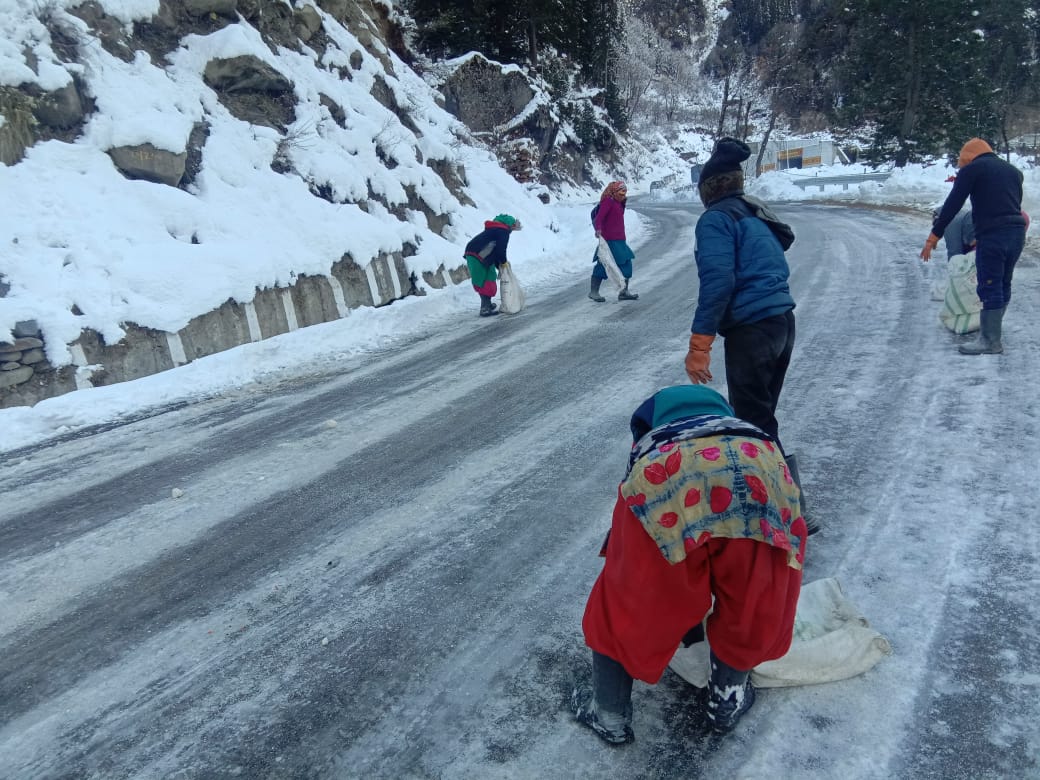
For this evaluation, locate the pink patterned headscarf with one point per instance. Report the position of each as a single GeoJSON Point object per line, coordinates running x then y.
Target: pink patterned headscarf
{"type": "Point", "coordinates": [616, 190]}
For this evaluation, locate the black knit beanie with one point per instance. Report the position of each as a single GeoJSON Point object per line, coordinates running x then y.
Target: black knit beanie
{"type": "Point", "coordinates": [728, 156]}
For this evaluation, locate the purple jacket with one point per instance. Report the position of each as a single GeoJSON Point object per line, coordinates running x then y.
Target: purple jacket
{"type": "Point", "coordinates": [610, 220]}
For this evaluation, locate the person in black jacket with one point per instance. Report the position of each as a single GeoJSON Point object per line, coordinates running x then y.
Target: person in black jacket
{"type": "Point", "coordinates": [484, 254]}
{"type": "Point", "coordinates": [995, 189]}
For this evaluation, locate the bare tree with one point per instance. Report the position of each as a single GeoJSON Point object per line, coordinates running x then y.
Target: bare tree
{"type": "Point", "coordinates": [639, 69]}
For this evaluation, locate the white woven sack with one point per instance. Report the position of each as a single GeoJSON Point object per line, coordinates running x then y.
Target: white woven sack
{"type": "Point", "coordinates": [606, 259]}
{"type": "Point", "coordinates": [512, 295]}
{"type": "Point", "coordinates": [939, 280]}
{"type": "Point", "coordinates": [832, 641]}
{"type": "Point", "coordinates": [961, 304]}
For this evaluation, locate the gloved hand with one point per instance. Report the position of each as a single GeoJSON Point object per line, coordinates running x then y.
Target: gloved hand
{"type": "Point", "coordinates": [598, 234]}
{"type": "Point", "coordinates": [929, 245]}
{"type": "Point", "coordinates": [699, 358]}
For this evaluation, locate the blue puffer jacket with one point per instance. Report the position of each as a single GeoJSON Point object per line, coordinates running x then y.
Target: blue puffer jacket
{"type": "Point", "coordinates": [742, 268]}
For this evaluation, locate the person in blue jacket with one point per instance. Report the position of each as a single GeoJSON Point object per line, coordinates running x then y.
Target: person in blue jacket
{"type": "Point", "coordinates": [995, 189]}
{"type": "Point", "coordinates": [744, 295]}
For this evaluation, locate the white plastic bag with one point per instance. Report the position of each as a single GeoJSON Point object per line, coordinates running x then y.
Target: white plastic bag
{"type": "Point", "coordinates": [606, 259]}
{"type": "Point", "coordinates": [832, 641]}
{"type": "Point", "coordinates": [513, 297]}
{"type": "Point", "coordinates": [961, 304]}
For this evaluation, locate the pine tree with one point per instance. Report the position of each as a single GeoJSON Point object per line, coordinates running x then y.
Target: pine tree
{"type": "Point", "coordinates": [1008, 31]}
{"type": "Point", "coordinates": [676, 21]}
{"type": "Point", "coordinates": [750, 21]}
{"type": "Point", "coordinates": [587, 31]}
{"type": "Point", "coordinates": [927, 74]}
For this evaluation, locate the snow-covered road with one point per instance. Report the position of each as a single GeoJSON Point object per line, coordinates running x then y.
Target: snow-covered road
{"type": "Point", "coordinates": [381, 573]}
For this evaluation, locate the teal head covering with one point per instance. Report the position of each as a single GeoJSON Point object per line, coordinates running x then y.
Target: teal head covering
{"type": "Point", "coordinates": [674, 403]}
{"type": "Point", "coordinates": [508, 220]}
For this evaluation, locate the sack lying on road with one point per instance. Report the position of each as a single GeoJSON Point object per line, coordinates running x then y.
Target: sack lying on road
{"type": "Point", "coordinates": [961, 304]}
{"type": "Point", "coordinates": [832, 641]}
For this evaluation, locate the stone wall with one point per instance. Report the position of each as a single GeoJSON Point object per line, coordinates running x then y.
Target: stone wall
{"type": "Point", "coordinates": [24, 366]}
{"type": "Point", "coordinates": [26, 377]}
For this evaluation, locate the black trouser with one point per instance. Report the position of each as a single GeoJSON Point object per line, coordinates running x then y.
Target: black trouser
{"type": "Point", "coordinates": [612, 690]}
{"type": "Point", "coordinates": [757, 357]}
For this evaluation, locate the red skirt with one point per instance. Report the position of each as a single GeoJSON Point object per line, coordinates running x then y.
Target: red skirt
{"type": "Point", "coordinates": [641, 605]}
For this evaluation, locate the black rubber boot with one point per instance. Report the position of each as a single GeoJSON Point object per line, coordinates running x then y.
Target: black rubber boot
{"type": "Point", "coordinates": [812, 527]}
{"type": "Point", "coordinates": [991, 322]}
{"type": "Point", "coordinates": [607, 708]}
{"type": "Point", "coordinates": [730, 695]}
{"type": "Point", "coordinates": [594, 290]}
{"type": "Point", "coordinates": [625, 295]}
{"type": "Point", "coordinates": [694, 635]}
{"type": "Point", "coordinates": [487, 308]}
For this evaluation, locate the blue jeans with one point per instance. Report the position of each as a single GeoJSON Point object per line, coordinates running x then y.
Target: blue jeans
{"type": "Point", "coordinates": [757, 357]}
{"type": "Point", "coordinates": [995, 257]}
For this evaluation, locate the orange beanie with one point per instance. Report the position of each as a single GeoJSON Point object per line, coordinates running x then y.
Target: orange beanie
{"type": "Point", "coordinates": [971, 150]}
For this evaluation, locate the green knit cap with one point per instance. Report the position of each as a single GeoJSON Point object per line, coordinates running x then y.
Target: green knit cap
{"type": "Point", "coordinates": [505, 219]}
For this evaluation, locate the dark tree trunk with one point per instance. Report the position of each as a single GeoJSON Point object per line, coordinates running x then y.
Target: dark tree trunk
{"type": "Point", "coordinates": [765, 141]}
{"type": "Point", "coordinates": [532, 43]}
{"type": "Point", "coordinates": [722, 112]}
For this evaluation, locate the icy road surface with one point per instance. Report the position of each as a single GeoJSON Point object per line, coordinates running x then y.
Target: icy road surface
{"type": "Point", "coordinates": [381, 573]}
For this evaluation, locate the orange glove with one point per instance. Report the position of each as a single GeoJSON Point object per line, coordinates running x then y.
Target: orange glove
{"type": "Point", "coordinates": [929, 245]}
{"type": "Point", "coordinates": [699, 358]}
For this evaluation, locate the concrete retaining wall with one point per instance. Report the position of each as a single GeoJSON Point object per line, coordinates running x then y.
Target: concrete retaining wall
{"type": "Point", "coordinates": [27, 378]}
